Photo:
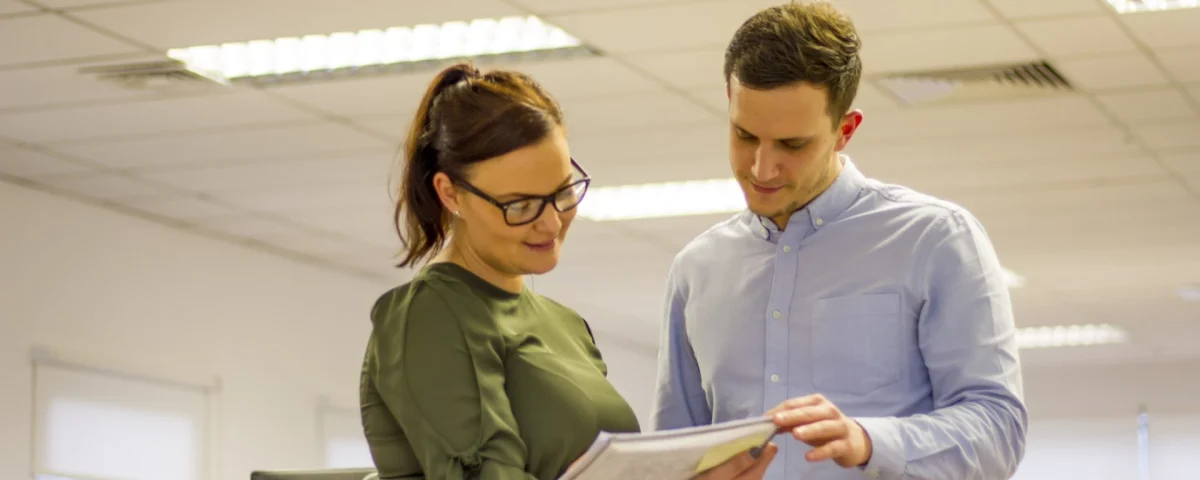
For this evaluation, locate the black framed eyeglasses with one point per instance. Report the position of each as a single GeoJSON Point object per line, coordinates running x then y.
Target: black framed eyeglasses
{"type": "Point", "coordinates": [525, 210]}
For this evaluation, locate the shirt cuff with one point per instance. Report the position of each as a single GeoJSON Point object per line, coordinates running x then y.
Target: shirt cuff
{"type": "Point", "coordinates": [887, 448]}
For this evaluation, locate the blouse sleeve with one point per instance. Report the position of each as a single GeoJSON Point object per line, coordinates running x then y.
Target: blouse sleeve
{"type": "Point", "coordinates": [441, 373]}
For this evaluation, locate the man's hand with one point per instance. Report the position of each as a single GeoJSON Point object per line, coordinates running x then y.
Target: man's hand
{"type": "Point", "coordinates": [745, 466]}
{"type": "Point", "coordinates": [818, 422]}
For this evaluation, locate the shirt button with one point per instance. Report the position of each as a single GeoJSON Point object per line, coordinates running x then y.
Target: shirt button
{"type": "Point", "coordinates": [776, 314]}
{"type": "Point", "coordinates": [787, 248]}
{"type": "Point", "coordinates": [774, 378]}
{"type": "Point", "coordinates": [820, 222]}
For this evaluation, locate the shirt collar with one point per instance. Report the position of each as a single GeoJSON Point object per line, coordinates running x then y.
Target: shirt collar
{"type": "Point", "coordinates": [823, 209]}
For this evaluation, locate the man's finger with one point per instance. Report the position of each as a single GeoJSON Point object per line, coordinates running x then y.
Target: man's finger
{"type": "Point", "coordinates": [797, 402]}
{"type": "Point", "coordinates": [821, 432]}
{"type": "Point", "coordinates": [759, 468]}
{"type": "Point", "coordinates": [804, 415]}
{"type": "Point", "coordinates": [827, 451]}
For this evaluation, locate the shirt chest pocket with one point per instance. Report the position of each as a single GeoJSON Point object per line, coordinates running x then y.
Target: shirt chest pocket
{"type": "Point", "coordinates": [856, 343]}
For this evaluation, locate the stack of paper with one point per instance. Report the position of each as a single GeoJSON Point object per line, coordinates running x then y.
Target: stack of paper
{"type": "Point", "coordinates": [669, 455]}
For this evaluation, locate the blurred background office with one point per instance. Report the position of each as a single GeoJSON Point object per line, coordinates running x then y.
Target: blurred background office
{"type": "Point", "coordinates": [195, 209]}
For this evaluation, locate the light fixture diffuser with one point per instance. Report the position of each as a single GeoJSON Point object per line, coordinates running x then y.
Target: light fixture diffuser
{"type": "Point", "coordinates": [1070, 336]}
{"type": "Point", "coordinates": [373, 48]}
{"type": "Point", "coordinates": [1137, 6]}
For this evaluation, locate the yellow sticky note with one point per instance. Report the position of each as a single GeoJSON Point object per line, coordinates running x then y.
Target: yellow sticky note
{"type": "Point", "coordinates": [722, 453]}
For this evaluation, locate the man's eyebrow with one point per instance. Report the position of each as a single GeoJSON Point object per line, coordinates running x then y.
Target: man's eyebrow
{"type": "Point", "coordinates": [521, 195]}
{"type": "Point", "coordinates": [791, 140]}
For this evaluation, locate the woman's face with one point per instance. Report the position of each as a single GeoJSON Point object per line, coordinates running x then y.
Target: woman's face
{"type": "Point", "coordinates": [526, 174]}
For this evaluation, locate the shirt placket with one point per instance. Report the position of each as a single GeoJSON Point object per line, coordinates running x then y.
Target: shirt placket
{"type": "Point", "coordinates": [783, 284]}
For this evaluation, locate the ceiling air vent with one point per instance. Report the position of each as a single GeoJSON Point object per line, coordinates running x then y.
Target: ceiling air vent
{"type": "Point", "coordinates": [155, 75]}
{"type": "Point", "coordinates": [995, 82]}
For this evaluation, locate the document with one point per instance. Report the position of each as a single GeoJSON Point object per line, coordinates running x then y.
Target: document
{"type": "Point", "coordinates": [669, 455]}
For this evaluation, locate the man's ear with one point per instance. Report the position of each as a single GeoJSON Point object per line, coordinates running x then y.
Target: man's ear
{"type": "Point", "coordinates": [848, 127]}
{"type": "Point", "coordinates": [446, 191]}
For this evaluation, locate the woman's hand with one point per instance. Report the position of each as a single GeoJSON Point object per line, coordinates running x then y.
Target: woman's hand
{"type": "Point", "coordinates": [750, 465]}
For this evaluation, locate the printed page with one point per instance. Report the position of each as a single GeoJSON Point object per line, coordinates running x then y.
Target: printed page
{"type": "Point", "coordinates": [670, 455]}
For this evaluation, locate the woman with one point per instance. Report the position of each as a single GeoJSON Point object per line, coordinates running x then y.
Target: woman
{"type": "Point", "coordinates": [468, 374]}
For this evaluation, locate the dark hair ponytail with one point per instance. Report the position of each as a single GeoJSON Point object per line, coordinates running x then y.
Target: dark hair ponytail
{"type": "Point", "coordinates": [459, 108]}
{"type": "Point", "coordinates": [425, 223]}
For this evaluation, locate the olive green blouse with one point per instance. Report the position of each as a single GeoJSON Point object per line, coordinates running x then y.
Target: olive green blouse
{"type": "Point", "coordinates": [463, 379]}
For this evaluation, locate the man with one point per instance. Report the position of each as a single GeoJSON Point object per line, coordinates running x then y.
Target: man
{"type": "Point", "coordinates": [881, 313]}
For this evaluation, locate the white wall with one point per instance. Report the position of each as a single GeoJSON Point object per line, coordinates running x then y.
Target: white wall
{"type": "Point", "coordinates": [130, 293]}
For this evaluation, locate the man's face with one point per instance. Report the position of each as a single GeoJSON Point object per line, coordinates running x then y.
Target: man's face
{"type": "Point", "coordinates": [783, 145]}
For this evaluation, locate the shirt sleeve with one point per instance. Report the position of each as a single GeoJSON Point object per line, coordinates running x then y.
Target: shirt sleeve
{"type": "Point", "coordinates": [679, 398]}
{"type": "Point", "coordinates": [441, 374]}
{"type": "Point", "coordinates": [968, 340]}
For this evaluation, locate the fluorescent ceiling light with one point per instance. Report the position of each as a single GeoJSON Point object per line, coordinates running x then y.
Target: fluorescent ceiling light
{"type": "Point", "coordinates": [1070, 336]}
{"type": "Point", "coordinates": [657, 200]}
{"type": "Point", "coordinates": [1135, 6]}
{"type": "Point", "coordinates": [366, 48]}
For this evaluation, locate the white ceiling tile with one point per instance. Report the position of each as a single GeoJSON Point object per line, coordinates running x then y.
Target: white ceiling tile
{"type": "Point", "coordinates": [56, 86]}
{"type": "Point", "coordinates": [1157, 104]}
{"type": "Point", "coordinates": [586, 77]}
{"type": "Point", "coordinates": [1194, 91]}
{"type": "Point", "coordinates": [277, 142]}
{"type": "Point", "coordinates": [22, 162]}
{"type": "Point", "coordinates": [544, 7]}
{"type": "Point", "coordinates": [872, 98]}
{"type": "Point", "coordinates": [691, 69]}
{"type": "Point", "coordinates": [563, 79]}
{"type": "Point", "coordinates": [369, 169]}
{"type": "Point", "coordinates": [1174, 28]}
{"type": "Point", "coordinates": [967, 177]}
{"type": "Point", "coordinates": [1063, 112]}
{"type": "Point", "coordinates": [226, 110]}
{"type": "Point", "coordinates": [591, 115]}
{"type": "Point", "coordinates": [182, 208]}
{"type": "Point", "coordinates": [1078, 36]}
{"type": "Point", "coordinates": [659, 27]}
{"type": "Point", "coordinates": [252, 226]}
{"type": "Point", "coordinates": [1187, 162]}
{"type": "Point", "coordinates": [1045, 8]}
{"type": "Point", "coordinates": [1044, 143]}
{"type": "Point", "coordinates": [382, 95]}
{"type": "Point", "coordinates": [8, 7]}
{"type": "Point", "coordinates": [370, 224]}
{"type": "Point", "coordinates": [394, 127]}
{"type": "Point", "coordinates": [305, 198]}
{"type": "Point", "coordinates": [873, 15]}
{"type": "Point", "coordinates": [1117, 71]}
{"type": "Point", "coordinates": [82, 3]}
{"type": "Point", "coordinates": [108, 186]}
{"type": "Point", "coordinates": [1182, 63]}
{"type": "Point", "coordinates": [944, 48]}
{"type": "Point", "coordinates": [1173, 135]}
{"type": "Point", "coordinates": [71, 41]}
{"type": "Point", "coordinates": [214, 21]}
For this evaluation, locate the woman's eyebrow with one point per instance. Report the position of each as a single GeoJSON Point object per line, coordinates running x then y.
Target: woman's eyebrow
{"type": "Point", "coordinates": [518, 195]}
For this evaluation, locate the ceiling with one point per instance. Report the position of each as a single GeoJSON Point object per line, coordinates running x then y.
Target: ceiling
{"type": "Point", "coordinates": [1093, 196]}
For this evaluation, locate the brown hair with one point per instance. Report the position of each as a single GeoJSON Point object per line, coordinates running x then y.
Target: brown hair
{"type": "Point", "coordinates": [464, 118]}
{"type": "Point", "coordinates": [798, 42]}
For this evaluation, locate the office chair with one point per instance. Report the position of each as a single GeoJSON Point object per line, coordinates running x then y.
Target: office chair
{"type": "Point", "coordinates": [333, 474]}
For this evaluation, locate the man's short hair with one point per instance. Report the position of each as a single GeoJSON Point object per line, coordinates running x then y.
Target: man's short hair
{"type": "Point", "coordinates": [798, 42]}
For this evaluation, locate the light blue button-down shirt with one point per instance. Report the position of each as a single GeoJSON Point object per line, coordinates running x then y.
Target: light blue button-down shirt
{"type": "Point", "coordinates": [890, 303]}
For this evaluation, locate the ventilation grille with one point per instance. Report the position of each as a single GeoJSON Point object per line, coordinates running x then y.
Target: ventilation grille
{"type": "Point", "coordinates": [982, 83]}
{"type": "Point", "coordinates": [156, 75]}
